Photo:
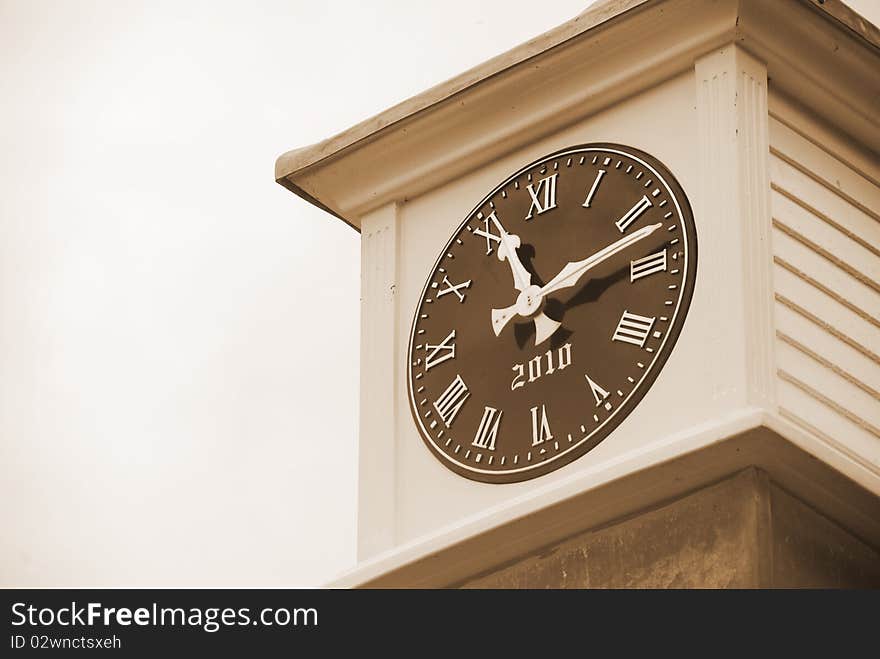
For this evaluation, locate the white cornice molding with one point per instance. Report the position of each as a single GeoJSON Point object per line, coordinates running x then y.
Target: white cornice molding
{"type": "Point", "coordinates": [838, 486]}
{"type": "Point", "coordinates": [826, 60]}
{"type": "Point", "coordinates": [596, 15]}
{"type": "Point", "coordinates": [820, 62]}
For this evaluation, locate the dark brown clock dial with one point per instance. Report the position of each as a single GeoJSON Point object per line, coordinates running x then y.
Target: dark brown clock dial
{"type": "Point", "coordinates": [550, 312]}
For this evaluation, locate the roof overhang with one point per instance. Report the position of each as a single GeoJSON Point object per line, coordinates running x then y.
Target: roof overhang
{"type": "Point", "coordinates": [819, 52]}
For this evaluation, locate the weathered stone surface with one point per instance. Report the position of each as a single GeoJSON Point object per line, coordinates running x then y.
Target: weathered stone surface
{"type": "Point", "coordinates": [810, 551]}
{"type": "Point", "coordinates": [740, 533]}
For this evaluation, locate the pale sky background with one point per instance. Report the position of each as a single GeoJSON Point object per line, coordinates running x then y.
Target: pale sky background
{"type": "Point", "coordinates": [179, 334]}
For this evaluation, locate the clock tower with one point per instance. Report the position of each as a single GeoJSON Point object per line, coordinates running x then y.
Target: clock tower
{"type": "Point", "coordinates": [620, 305]}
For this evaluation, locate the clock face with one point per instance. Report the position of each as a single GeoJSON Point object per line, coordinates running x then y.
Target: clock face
{"type": "Point", "coordinates": [550, 312]}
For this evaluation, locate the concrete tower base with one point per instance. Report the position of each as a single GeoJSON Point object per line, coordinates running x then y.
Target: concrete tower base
{"type": "Point", "coordinates": [744, 532]}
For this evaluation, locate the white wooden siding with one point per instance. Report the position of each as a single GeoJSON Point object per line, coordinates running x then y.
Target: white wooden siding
{"type": "Point", "coordinates": [825, 206]}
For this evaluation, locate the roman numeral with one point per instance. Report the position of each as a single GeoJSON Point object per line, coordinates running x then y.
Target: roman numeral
{"type": "Point", "coordinates": [633, 328]}
{"type": "Point", "coordinates": [453, 288]}
{"type": "Point", "coordinates": [439, 354]}
{"type": "Point", "coordinates": [593, 189]}
{"type": "Point", "coordinates": [548, 184]}
{"type": "Point", "coordinates": [540, 430]}
{"type": "Point", "coordinates": [598, 392]}
{"type": "Point", "coordinates": [451, 400]}
{"type": "Point", "coordinates": [487, 234]}
{"type": "Point", "coordinates": [647, 265]}
{"type": "Point", "coordinates": [488, 431]}
{"type": "Point", "coordinates": [633, 213]}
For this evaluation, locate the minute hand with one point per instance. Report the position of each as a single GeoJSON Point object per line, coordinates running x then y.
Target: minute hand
{"type": "Point", "coordinates": [573, 271]}
{"type": "Point", "coordinates": [567, 277]}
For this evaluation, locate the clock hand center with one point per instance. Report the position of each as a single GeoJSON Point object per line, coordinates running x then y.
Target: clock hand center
{"type": "Point", "coordinates": [527, 303]}
{"type": "Point", "coordinates": [530, 299]}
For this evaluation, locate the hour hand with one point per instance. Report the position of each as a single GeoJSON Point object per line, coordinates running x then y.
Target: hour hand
{"type": "Point", "coordinates": [522, 278]}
